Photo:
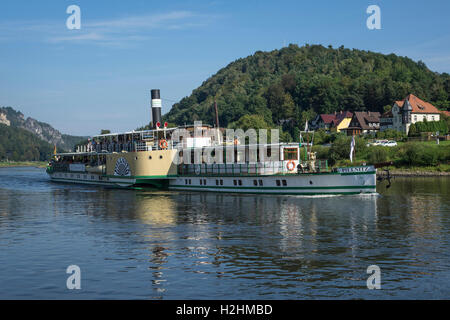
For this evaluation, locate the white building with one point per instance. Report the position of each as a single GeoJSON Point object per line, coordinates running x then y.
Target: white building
{"type": "Point", "coordinates": [410, 110]}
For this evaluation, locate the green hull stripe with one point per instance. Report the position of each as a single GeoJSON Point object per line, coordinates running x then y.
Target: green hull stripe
{"type": "Point", "coordinates": [142, 177]}
{"type": "Point", "coordinates": [292, 193]}
{"type": "Point", "coordinates": [87, 181]}
{"type": "Point", "coordinates": [272, 188]}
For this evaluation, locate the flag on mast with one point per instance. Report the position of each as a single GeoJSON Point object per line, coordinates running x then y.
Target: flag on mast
{"type": "Point", "coordinates": [352, 148]}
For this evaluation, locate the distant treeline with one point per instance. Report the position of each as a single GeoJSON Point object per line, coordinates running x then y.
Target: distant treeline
{"type": "Point", "coordinates": [296, 83]}
{"type": "Point", "coordinates": [21, 145]}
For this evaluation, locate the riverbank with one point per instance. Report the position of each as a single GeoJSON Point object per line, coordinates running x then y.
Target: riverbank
{"type": "Point", "coordinates": [413, 172]}
{"type": "Point", "coordinates": [11, 164]}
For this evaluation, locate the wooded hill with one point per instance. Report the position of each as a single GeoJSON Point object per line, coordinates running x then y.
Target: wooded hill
{"type": "Point", "coordinates": [296, 83]}
{"type": "Point", "coordinates": [26, 139]}
{"type": "Point", "coordinates": [18, 144]}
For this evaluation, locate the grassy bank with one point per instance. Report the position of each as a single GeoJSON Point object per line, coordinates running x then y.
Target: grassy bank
{"type": "Point", "coordinates": [38, 164]}
{"type": "Point", "coordinates": [408, 158]}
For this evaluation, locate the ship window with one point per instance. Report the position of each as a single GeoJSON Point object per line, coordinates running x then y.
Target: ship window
{"type": "Point", "coordinates": [221, 182]}
{"type": "Point", "coordinates": [284, 183]}
{"type": "Point", "coordinates": [260, 182]}
{"type": "Point", "coordinates": [190, 181]}
{"type": "Point", "coordinates": [204, 182]}
{"type": "Point", "coordinates": [201, 181]}
{"type": "Point", "coordinates": [278, 183]}
{"type": "Point", "coordinates": [185, 181]}
{"type": "Point", "coordinates": [92, 177]}
{"type": "Point", "coordinates": [235, 182]}
{"type": "Point", "coordinates": [217, 182]}
{"type": "Point", "coordinates": [240, 182]}
{"type": "Point", "coordinates": [255, 182]}
{"type": "Point", "coordinates": [290, 154]}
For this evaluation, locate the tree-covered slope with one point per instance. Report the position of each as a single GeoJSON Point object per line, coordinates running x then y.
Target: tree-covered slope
{"type": "Point", "coordinates": [42, 130]}
{"type": "Point", "coordinates": [297, 82]}
{"type": "Point", "coordinates": [18, 144]}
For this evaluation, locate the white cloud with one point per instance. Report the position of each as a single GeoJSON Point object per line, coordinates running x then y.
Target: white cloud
{"type": "Point", "coordinates": [118, 31]}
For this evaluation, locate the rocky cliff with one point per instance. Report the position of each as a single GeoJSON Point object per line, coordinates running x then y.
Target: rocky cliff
{"type": "Point", "coordinates": [44, 131]}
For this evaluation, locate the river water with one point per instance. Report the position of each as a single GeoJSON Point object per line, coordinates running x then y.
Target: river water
{"type": "Point", "coordinates": [135, 244]}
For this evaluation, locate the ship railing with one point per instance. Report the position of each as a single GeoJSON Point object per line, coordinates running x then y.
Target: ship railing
{"type": "Point", "coordinates": [257, 168]}
{"type": "Point", "coordinates": [252, 169]}
{"type": "Point", "coordinates": [60, 167]}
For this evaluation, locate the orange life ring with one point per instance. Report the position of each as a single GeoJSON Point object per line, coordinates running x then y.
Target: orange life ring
{"type": "Point", "coordinates": [288, 165]}
{"type": "Point", "coordinates": [163, 144]}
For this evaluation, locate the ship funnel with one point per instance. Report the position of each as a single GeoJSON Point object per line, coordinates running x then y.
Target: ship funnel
{"type": "Point", "coordinates": [156, 108]}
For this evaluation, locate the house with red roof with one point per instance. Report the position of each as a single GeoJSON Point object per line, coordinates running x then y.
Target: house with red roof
{"type": "Point", "coordinates": [408, 111]}
{"type": "Point", "coordinates": [339, 120]}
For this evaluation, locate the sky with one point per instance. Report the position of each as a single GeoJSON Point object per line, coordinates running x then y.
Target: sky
{"type": "Point", "coordinates": [100, 76]}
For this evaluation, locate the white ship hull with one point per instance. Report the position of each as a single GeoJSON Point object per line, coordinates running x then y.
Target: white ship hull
{"type": "Point", "coordinates": [302, 184]}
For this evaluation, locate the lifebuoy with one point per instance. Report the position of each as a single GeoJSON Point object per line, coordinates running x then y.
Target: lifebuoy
{"type": "Point", "coordinates": [163, 144]}
{"type": "Point", "coordinates": [290, 165]}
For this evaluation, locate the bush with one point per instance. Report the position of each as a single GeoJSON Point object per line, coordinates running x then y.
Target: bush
{"type": "Point", "coordinates": [416, 154]}
{"type": "Point", "coordinates": [377, 154]}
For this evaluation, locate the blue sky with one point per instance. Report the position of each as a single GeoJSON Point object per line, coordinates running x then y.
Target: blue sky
{"type": "Point", "coordinates": [100, 76]}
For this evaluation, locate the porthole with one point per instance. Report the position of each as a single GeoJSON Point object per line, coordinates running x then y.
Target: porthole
{"type": "Point", "coordinates": [160, 157]}
{"type": "Point", "coordinates": [150, 157]}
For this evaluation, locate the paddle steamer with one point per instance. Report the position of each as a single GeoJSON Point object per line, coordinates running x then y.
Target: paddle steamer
{"type": "Point", "coordinates": [162, 158]}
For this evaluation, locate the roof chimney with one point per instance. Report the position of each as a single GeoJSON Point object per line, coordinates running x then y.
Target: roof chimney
{"type": "Point", "coordinates": [156, 107]}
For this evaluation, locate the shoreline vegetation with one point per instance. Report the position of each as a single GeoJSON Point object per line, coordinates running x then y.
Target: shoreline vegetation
{"type": "Point", "coordinates": [12, 164]}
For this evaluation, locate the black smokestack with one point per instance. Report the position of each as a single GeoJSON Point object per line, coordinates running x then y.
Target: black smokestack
{"type": "Point", "coordinates": [156, 107]}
